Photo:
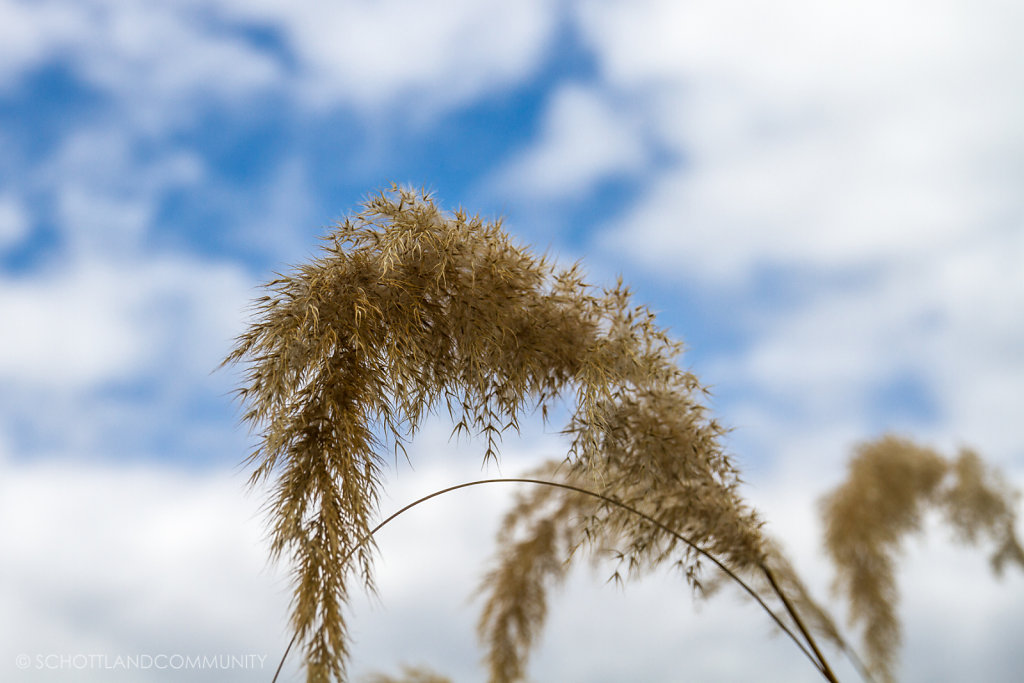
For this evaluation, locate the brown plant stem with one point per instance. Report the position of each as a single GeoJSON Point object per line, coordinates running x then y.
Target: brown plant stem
{"type": "Point", "coordinates": [826, 671]}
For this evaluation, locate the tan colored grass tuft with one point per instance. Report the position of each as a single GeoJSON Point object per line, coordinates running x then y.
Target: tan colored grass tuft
{"type": "Point", "coordinates": [548, 528]}
{"type": "Point", "coordinates": [890, 484]}
{"type": "Point", "coordinates": [409, 308]}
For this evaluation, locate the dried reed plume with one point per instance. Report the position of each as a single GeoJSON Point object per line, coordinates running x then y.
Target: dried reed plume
{"type": "Point", "coordinates": [409, 308]}
{"type": "Point", "coordinates": [548, 528]}
{"type": "Point", "coordinates": [890, 483]}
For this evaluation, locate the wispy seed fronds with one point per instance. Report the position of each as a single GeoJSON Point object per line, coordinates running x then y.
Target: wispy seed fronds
{"type": "Point", "coordinates": [538, 537]}
{"type": "Point", "coordinates": [409, 308]}
{"type": "Point", "coordinates": [980, 503]}
{"type": "Point", "coordinates": [889, 485]}
{"type": "Point", "coordinates": [548, 528]}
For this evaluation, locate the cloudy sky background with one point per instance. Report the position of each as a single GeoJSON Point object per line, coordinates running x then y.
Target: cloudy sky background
{"type": "Point", "coordinates": [822, 200]}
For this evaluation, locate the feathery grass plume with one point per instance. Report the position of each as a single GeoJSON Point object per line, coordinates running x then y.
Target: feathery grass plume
{"type": "Point", "coordinates": [535, 541]}
{"type": "Point", "coordinates": [890, 483]}
{"type": "Point", "coordinates": [980, 503]}
{"type": "Point", "coordinates": [409, 308]}
{"type": "Point", "coordinates": [548, 528]}
{"type": "Point", "coordinates": [410, 674]}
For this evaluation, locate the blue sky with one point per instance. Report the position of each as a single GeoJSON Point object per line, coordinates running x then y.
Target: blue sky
{"type": "Point", "coordinates": [822, 201]}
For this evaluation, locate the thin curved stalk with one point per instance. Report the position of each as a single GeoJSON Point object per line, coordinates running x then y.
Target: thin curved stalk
{"type": "Point", "coordinates": [817, 659]}
{"type": "Point", "coordinates": [826, 671]}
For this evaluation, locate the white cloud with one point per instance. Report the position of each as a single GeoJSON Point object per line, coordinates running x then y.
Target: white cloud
{"type": "Point", "coordinates": [102, 314]}
{"type": "Point", "coordinates": [815, 135]}
{"type": "Point", "coordinates": [94, 219]}
{"type": "Point", "coordinates": [130, 561]}
{"type": "Point", "coordinates": [14, 221]}
{"type": "Point", "coordinates": [796, 54]}
{"type": "Point", "coordinates": [96, 322]}
{"type": "Point", "coordinates": [69, 331]}
{"type": "Point", "coordinates": [815, 203]}
{"type": "Point", "coordinates": [138, 38]}
{"type": "Point", "coordinates": [584, 139]}
{"type": "Point", "coordinates": [949, 322]}
{"type": "Point", "coordinates": [151, 56]}
{"type": "Point", "coordinates": [31, 33]}
{"type": "Point", "coordinates": [441, 53]}
{"type": "Point", "coordinates": [156, 56]}
{"type": "Point", "coordinates": [107, 189]}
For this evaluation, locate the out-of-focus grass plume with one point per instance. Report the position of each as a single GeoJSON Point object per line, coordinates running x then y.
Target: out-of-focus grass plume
{"type": "Point", "coordinates": [891, 482]}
